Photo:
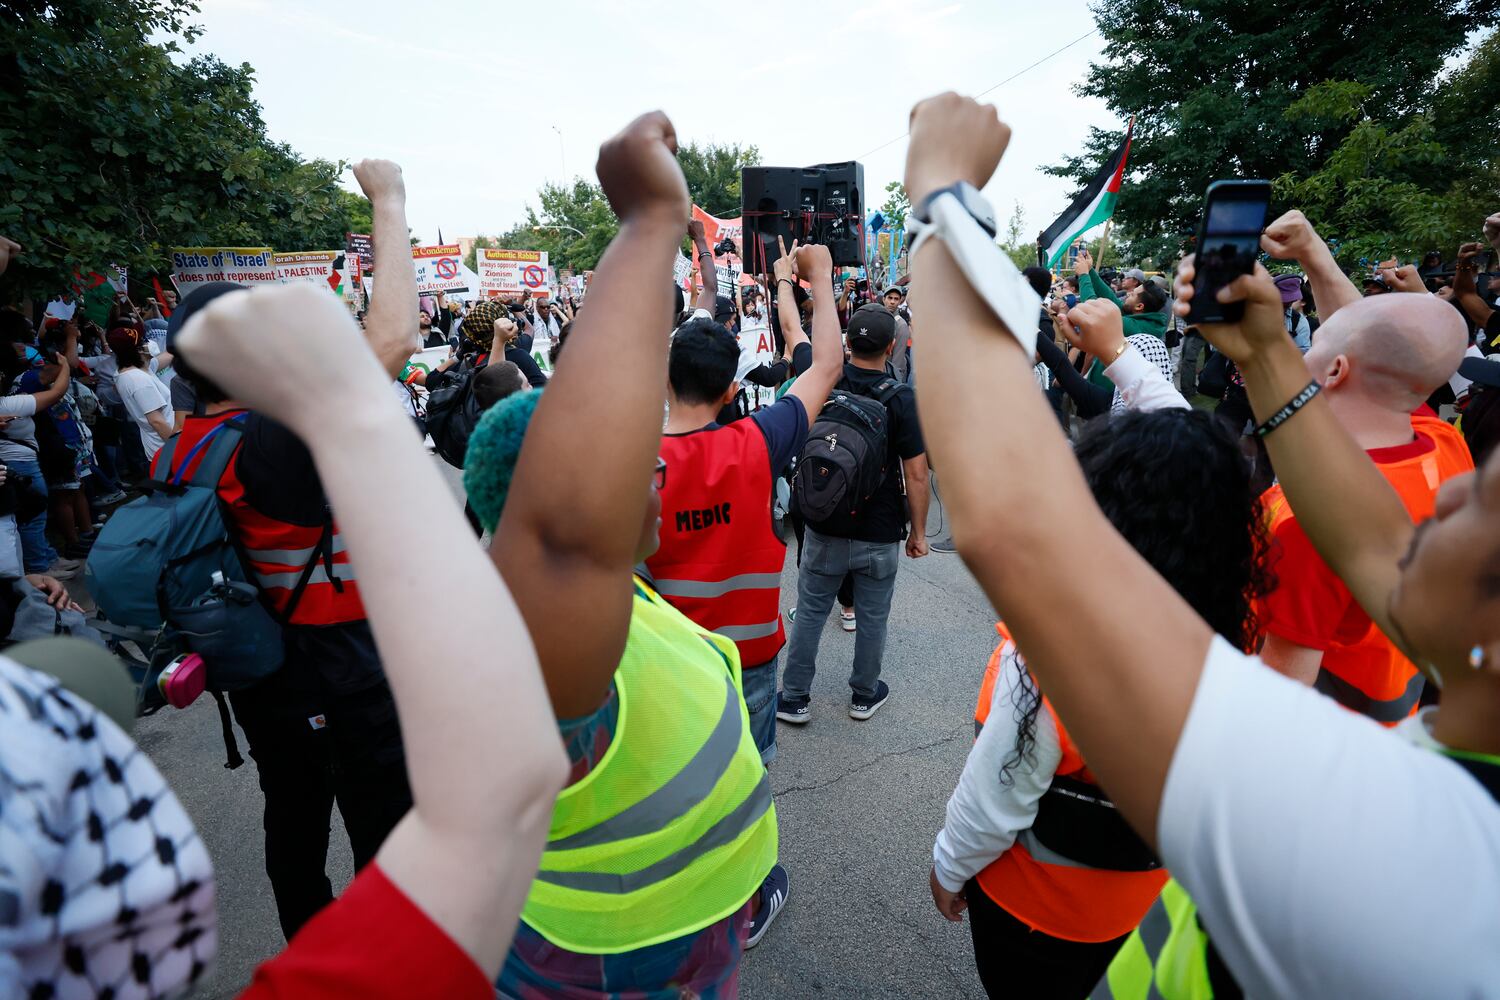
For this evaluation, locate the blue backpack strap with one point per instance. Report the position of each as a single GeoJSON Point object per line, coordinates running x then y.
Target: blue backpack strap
{"type": "Point", "coordinates": [217, 449]}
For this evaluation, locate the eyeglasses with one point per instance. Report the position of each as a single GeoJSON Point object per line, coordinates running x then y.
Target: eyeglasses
{"type": "Point", "coordinates": [661, 474]}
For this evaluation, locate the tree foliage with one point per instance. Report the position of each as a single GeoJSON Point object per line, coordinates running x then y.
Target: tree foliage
{"type": "Point", "coordinates": [896, 206]}
{"type": "Point", "coordinates": [113, 149]}
{"type": "Point", "coordinates": [1212, 86]}
{"type": "Point", "coordinates": [713, 180]}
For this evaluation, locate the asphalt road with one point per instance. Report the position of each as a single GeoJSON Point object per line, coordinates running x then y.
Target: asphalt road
{"type": "Point", "coordinates": [858, 802]}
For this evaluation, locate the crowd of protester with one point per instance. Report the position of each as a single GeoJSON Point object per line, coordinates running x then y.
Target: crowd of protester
{"type": "Point", "coordinates": [1237, 736]}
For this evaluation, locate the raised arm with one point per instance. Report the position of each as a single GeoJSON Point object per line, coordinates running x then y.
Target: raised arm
{"type": "Point", "coordinates": [708, 297]}
{"type": "Point", "coordinates": [815, 264]}
{"type": "Point", "coordinates": [573, 527]}
{"type": "Point", "coordinates": [1464, 288]}
{"type": "Point", "coordinates": [390, 322]}
{"type": "Point", "coordinates": [785, 268]}
{"type": "Point", "coordinates": [1348, 509]}
{"type": "Point", "coordinates": [481, 744]}
{"type": "Point", "coordinates": [975, 384]}
{"type": "Point", "coordinates": [1292, 237]}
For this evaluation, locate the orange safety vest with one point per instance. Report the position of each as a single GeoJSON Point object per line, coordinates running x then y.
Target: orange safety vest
{"type": "Point", "coordinates": [719, 562]}
{"type": "Point", "coordinates": [278, 553]}
{"type": "Point", "coordinates": [1368, 674]}
{"type": "Point", "coordinates": [1045, 890]}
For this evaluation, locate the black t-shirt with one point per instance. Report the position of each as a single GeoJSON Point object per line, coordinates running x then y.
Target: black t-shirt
{"type": "Point", "coordinates": [884, 516]}
{"type": "Point", "coordinates": [282, 482]}
{"type": "Point", "coordinates": [518, 356]}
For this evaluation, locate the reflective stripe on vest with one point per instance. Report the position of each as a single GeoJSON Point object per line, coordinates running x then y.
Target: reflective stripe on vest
{"type": "Point", "coordinates": [342, 572]}
{"type": "Point", "coordinates": [674, 828]}
{"type": "Point", "coordinates": [720, 559]}
{"type": "Point", "coordinates": [1387, 711]}
{"type": "Point", "coordinates": [292, 557]}
{"type": "Point", "coordinates": [1165, 958]}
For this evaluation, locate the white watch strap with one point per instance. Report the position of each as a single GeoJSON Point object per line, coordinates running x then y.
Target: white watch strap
{"type": "Point", "coordinates": [991, 273]}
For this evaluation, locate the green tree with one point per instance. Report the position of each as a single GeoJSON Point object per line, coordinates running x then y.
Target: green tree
{"type": "Point", "coordinates": [1020, 248]}
{"type": "Point", "coordinates": [713, 175]}
{"type": "Point", "coordinates": [578, 205]}
{"type": "Point", "coordinates": [1210, 83]}
{"type": "Point", "coordinates": [896, 206]}
{"type": "Point", "coordinates": [112, 152]}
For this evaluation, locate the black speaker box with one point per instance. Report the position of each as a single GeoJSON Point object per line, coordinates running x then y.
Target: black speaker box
{"type": "Point", "coordinates": [819, 204]}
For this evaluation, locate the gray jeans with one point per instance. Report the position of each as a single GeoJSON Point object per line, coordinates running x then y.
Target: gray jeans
{"type": "Point", "coordinates": [1187, 367]}
{"type": "Point", "coordinates": [825, 560]}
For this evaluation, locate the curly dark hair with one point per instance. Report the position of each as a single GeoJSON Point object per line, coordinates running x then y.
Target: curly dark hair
{"type": "Point", "coordinates": [1175, 485]}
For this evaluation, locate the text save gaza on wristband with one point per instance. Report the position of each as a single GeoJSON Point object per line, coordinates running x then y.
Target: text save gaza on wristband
{"type": "Point", "coordinates": [1284, 414]}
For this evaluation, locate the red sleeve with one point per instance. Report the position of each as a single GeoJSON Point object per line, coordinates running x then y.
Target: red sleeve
{"type": "Point", "coordinates": [370, 942]}
{"type": "Point", "coordinates": [1310, 601]}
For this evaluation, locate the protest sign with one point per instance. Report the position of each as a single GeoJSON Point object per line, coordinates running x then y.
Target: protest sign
{"type": "Point", "coordinates": [757, 347]}
{"type": "Point", "coordinates": [318, 267]}
{"type": "Point", "coordinates": [194, 266]}
{"type": "Point", "coordinates": [682, 269]}
{"type": "Point", "coordinates": [439, 269]}
{"type": "Point", "coordinates": [361, 246]}
{"type": "Point", "coordinates": [504, 272]}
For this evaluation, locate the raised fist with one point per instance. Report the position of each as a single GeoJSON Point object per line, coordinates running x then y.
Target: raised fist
{"type": "Point", "coordinates": [696, 232]}
{"type": "Point", "coordinates": [1095, 326]}
{"type": "Point", "coordinates": [953, 138]}
{"type": "Point", "coordinates": [814, 263]}
{"type": "Point", "coordinates": [380, 180]}
{"type": "Point", "coordinates": [241, 341]}
{"type": "Point", "coordinates": [1290, 237]}
{"type": "Point", "coordinates": [638, 171]}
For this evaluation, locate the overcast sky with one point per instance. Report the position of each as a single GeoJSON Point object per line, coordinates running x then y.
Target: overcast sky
{"type": "Point", "coordinates": [465, 94]}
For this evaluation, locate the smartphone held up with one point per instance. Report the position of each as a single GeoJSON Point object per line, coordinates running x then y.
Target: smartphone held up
{"type": "Point", "coordinates": [1234, 213]}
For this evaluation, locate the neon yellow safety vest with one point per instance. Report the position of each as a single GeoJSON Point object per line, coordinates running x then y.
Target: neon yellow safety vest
{"type": "Point", "coordinates": [674, 829]}
{"type": "Point", "coordinates": [1165, 958]}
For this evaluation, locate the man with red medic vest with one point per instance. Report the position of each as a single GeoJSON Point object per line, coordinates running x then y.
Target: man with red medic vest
{"type": "Point", "coordinates": [323, 729]}
{"type": "Point", "coordinates": [720, 558]}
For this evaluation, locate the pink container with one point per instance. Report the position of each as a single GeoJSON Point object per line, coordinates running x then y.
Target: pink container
{"type": "Point", "coordinates": [183, 680]}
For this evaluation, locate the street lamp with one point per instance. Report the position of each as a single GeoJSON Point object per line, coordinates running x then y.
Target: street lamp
{"type": "Point", "coordinates": [568, 228]}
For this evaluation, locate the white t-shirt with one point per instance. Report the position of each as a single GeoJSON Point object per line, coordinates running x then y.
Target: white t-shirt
{"type": "Point", "coordinates": [1328, 856]}
{"type": "Point", "coordinates": [143, 393]}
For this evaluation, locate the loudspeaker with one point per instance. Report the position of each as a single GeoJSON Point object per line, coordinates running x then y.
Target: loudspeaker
{"type": "Point", "coordinates": [842, 217]}
{"type": "Point", "coordinates": [776, 201]}
{"type": "Point", "coordinates": [819, 204]}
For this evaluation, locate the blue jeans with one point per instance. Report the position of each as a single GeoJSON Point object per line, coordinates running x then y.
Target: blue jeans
{"type": "Point", "coordinates": [760, 699]}
{"type": "Point", "coordinates": [37, 552]}
{"type": "Point", "coordinates": [825, 560]}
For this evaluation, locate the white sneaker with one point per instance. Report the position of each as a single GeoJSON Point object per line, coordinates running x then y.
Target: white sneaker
{"type": "Point", "coordinates": [846, 619]}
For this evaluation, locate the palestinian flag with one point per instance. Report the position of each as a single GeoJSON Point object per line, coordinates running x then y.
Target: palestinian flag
{"type": "Point", "coordinates": [1093, 206]}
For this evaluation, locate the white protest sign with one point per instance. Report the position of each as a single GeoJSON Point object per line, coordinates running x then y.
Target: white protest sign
{"type": "Point", "coordinates": [439, 269]}
{"type": "Point", "coordinates": [511, 272]}
{"type": "Point", "coordinates": [193, 266]}
{"type": "Point", "coordinates": [318, 267]}
{"type": "Point", "coordinates": [757, 347]}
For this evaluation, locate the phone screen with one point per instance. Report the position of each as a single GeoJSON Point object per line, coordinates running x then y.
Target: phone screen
{"type": "Point", "coordinates": [1234, 214]}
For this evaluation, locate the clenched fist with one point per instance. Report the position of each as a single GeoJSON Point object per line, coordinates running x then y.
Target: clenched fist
{"type": "Point", "coordinates": [639, 173]}
{"type": "Point", "coordinates": [953, 138]}
{"type": "Point", "coordinates": [380, 180]}
{"type": "Point", "coordinates": [1290, 237]}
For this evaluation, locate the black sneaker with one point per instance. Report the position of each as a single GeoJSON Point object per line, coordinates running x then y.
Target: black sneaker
{"type": "Point", "coordinates": [862, 708]}
{"type": "Point", "coordinates": [773, 892]}
{"type": "Point", "coordinates": [797, 711]}
{"type": "Point", "coordinates": [944, 544]}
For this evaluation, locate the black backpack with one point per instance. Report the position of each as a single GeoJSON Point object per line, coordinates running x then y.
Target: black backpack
{"type": "Point", "coordinates": [452, 415]}
{"type": "Point", "coordinates": [844, 460]}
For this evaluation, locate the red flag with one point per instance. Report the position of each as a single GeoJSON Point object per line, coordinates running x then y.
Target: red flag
{"type": "Point", "coordinates": [161, 297]}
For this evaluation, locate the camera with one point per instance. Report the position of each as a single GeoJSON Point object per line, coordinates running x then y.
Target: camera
{"type": "Point", "coordinates": [724, 246]}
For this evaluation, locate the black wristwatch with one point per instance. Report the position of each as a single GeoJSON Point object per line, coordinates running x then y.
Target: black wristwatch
{"type": "Point", "coordinates": [969, 197]}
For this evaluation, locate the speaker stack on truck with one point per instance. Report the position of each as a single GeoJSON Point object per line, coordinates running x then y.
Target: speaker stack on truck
{"type": "Point", "coordinates": [823, 203]}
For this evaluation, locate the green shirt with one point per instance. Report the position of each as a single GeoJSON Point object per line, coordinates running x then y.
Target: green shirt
{"type": "Point", "coordinates": [1091, 286]}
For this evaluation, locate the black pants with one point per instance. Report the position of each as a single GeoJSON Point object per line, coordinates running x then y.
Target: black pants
{"type": "Point", "coordinates": [312, 751]}
{"type": "Point", "coordinates": [1016, 961]}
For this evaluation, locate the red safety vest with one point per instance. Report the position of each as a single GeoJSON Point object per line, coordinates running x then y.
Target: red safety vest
{"type": "Point", "coordinates": [720, 560]}
{"type": "Point", "coordinates": [278, 552]}
{"type": "Point", "coordinates": [1060, 897]}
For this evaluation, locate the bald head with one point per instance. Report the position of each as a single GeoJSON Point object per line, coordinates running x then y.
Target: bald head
{"type": "Point", "coordinates": [1392, 350]}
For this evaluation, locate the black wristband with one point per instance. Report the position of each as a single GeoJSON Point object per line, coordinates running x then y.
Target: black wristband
{"type": "Point", "coordinates": [1284, 414]}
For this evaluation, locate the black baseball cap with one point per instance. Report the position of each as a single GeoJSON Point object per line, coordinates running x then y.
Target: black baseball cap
{"type": "Point", "coordinates": [192, 302]}
{"type": "Point", "coordinates": [871, 328]}
{"type": "Point", "coordinates": [723, 309]}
